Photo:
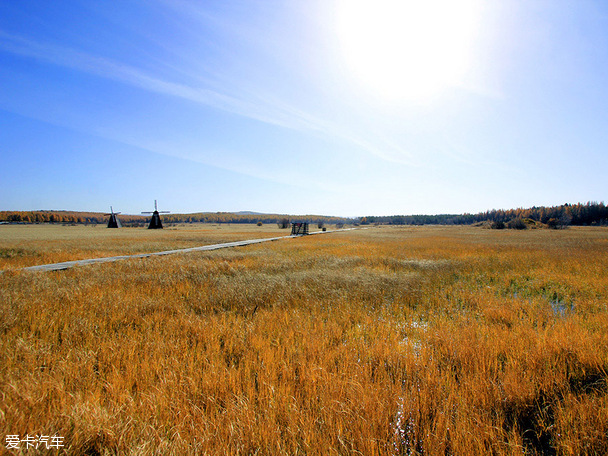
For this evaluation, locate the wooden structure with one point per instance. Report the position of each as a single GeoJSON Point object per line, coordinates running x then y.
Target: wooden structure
{"type": "Point", "coordinates": [155, 223]}
{"type": "Point", "coordinates": [113, 222]}
{"type": "Point", "coordinates": [299, 228]}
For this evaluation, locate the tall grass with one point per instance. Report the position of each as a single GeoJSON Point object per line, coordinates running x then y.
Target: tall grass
{"type": "Point", "coordinates": [384, 341]}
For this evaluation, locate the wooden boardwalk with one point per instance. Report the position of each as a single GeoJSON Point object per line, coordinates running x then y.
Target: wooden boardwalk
{"type": "Point", "coordinates": [71, 264]}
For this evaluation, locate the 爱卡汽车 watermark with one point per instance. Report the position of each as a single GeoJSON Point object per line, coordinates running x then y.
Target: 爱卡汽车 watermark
{"type": "Point", "coordinates": [49, 442]}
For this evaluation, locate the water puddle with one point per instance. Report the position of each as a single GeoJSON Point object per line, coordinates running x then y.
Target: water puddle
{"type": "Point", "coordinates": [562, 308]}
{"type": "Point", "coordinates": [558, 307]}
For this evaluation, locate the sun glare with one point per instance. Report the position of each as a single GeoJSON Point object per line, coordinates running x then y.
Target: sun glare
{"type": "Point", "coordinates": [407, 48]}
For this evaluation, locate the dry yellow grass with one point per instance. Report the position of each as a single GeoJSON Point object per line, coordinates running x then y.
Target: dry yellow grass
{"type": "Point", "coordinates": [29, 245]}
{"type": "Point", "coordinates": [383, 341]}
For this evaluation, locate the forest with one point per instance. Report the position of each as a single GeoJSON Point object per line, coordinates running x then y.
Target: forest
{"type": "Point", "coordinates": [590, 213]}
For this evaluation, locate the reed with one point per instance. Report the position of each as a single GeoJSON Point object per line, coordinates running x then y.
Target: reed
{"type": "Point", "coordinates": [439, 340]}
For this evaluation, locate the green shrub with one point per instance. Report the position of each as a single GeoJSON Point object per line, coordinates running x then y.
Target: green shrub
{"type": "Point", "coordinates": [497, 226]}
{"type": "Point", "coordinates": [517, 224]}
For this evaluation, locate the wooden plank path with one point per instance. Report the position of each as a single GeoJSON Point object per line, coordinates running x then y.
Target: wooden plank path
{"type": "Point", "coordinates": [71, 264]}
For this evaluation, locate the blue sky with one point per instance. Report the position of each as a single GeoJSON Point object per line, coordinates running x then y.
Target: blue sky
{"type": "Point", "coordinates": [330, 107]}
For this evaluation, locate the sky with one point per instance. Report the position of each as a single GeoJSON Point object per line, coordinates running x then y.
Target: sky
{"type": "Point", "coordinates": [332, 107]}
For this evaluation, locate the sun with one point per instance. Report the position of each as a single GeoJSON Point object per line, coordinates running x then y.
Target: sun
{"type": "Point", "coordinates": [407, 48]}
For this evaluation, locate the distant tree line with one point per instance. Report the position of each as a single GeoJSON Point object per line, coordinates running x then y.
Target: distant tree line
{"type": "Point", "coordinates": [68, 217]}
{"type": "Point", "coordinates": [229, 217]}
{"type": "Point", "coordinates": [441, 219]}
{"type": "Point", "coordinates": [591, 213]}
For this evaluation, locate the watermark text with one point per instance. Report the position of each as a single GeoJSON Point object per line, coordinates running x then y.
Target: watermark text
{"type": "Point", "coordinates": [16, 442]}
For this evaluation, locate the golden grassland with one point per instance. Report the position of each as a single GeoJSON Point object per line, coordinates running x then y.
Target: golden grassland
{"type": "Point", "coordinates": [434, 341]}
{"type": "Point", "coordinates": [29, 245]}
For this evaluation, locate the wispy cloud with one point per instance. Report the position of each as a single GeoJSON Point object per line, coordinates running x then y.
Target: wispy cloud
{"type": "Point", "coordinates": [106, 68]}
{"type": "Point", "coordinates": [262, 108]}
